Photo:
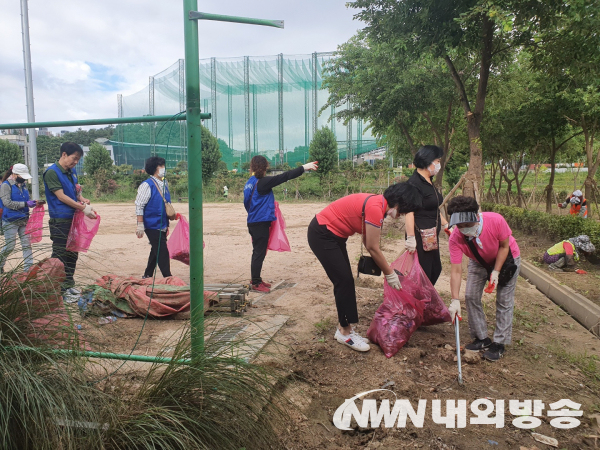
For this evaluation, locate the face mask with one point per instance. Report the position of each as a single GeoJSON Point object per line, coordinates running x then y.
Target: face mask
{"type": "Point", "coordinates": [20, 180]}
{"type": "Point", "coordinates": [393, 213]}
{"type": "Point", "coordinates": [436, 169]}
{"type": "Point", "coordinates": [470, 231]}
{"type": "Point", "coordinates": [161, 172]}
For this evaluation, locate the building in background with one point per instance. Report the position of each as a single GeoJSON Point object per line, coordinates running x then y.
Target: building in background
{"type": "Point", "coordinates": [19, 139]}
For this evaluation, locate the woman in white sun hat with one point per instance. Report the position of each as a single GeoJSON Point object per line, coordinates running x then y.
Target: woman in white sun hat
{"type": "Point", "coordinates": [15, 198]}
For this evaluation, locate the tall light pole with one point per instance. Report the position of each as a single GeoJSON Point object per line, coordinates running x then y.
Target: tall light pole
{"type": "Point", "coordinates": [32, 154]}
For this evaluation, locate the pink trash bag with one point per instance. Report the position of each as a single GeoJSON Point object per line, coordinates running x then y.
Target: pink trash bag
{"type": "Point", "coordinates": [395, 320]}
{"type": "Point", "coordinates": [35, 224]}
{"type": "Point", "coordinates": [416, 284]}
{"type": "Point", "coordinates": [278, 241]}
{"type": "Point", "coordinates": [179, 242]}
{"type": "Point", "coordinates": [83, 230]}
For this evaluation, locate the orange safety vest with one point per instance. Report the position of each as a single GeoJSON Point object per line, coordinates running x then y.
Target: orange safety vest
{"type": "Point", "coordinates": [576, 208]}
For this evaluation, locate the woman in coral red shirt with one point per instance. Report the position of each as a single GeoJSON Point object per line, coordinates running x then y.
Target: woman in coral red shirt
{"type": "Point", "coordinates": [327, 236]}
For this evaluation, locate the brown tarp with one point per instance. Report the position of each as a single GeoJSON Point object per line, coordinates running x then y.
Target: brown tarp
{"type": "Point", "coordinates": [168, 297]}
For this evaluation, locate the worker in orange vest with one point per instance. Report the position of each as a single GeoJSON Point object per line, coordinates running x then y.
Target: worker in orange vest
{"type": "Point", "coordinates": [578, 204]}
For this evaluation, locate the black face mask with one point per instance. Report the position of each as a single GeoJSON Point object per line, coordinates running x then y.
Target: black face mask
{"type": "Point", "coordinates": [20, 180]}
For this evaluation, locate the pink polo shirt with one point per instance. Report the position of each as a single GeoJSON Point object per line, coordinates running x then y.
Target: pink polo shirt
{"type": "Point", "coordinates": [495, 229]}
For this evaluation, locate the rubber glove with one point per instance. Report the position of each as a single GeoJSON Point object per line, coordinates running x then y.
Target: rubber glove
{"type": "Point", "coordinates": [89, 212]}
{"type": "Point", "coordinates": [140, 230]}
{"type": "Point", "coordinates": [447, 230]}
{"type": "Point", "coordinates": [311, 166]}
{"type": "Point", "coordinates": [31, 203]}
{"type": "Point", "coordinates": [454, 309]}
{"type": "Point", "coordinates": [494, 277]}
{"type": "Point", "coordinates": [393, 280]}
{"type": "Point", "coordinates": [410, 244]}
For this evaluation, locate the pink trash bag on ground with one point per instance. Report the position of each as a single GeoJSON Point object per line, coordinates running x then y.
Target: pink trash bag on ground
{"type": "Point", "coordinates": [416, 284]}
{"type": "Point", "coordinates": [179, 242]}
{"type": "Point", "coordinates": [395, 320]}
{"type": "Point", "coordinates": [278, 241]}
{"type": "Point", "coordinates": [35, 224]}
{"type": "Point", "coordinates": [83, 230]}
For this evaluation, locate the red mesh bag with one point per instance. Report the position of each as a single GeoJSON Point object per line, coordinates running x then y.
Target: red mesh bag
{"type": "Point", "coordinates": [395, 321]}
{"type": "Point", "coordinates": [416, 284]}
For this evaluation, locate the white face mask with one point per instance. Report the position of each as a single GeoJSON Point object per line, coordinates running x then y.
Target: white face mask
{"type": "Point", "coordinates": [470, 231]}
{"type": "Point", "coordinates": [393, 213]}
{"type": "Point", "coordinates": [161, 172]}
{"type": "Point", "coordinates": [436, 169]}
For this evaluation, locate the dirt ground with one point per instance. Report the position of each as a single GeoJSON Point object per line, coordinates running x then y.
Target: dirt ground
{"type": "Point", "coordinates": [551, 357]}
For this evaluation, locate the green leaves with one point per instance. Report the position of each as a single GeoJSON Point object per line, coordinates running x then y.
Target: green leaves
{"type": "Point", "coordinates": [323, 148]}
{"type": "Point", "coordinates": [98, 158]}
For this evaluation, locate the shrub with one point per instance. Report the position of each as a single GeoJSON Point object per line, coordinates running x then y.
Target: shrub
{"type": "Point", "coordinates": [551, 225]}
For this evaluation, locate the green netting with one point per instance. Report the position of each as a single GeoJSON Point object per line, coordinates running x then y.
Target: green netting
{"type": "Point", "coordinates": [260, 105]}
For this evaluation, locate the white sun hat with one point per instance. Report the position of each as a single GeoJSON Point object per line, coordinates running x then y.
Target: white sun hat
{"type": "Point", "coordinates": [22, 171]}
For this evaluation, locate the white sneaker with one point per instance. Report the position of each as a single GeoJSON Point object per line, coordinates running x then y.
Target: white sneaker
{"type": "Point", "coordinates": [73, 291]}
{"type": "Point", "coordinates": [353, 340]}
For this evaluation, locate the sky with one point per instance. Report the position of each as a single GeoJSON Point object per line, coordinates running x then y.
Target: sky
{"type": "Point", "coordinates": [86, 52]}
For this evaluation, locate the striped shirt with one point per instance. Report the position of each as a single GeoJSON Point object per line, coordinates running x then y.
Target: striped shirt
{"type": "Point", "coordinates": [144, 193]}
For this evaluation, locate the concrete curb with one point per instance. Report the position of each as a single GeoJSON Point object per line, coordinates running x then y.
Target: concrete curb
{"type": "Point", "coordinates": [579, 307]}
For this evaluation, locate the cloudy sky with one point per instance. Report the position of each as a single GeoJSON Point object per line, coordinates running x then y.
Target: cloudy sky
{"type": "Point", "coordinates": [86, 52]}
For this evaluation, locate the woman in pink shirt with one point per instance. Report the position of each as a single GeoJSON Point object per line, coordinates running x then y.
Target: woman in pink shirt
{"type": "Point", "coordinates": [486, 239]}
{"type": "Point", "coordinates": [327, 236]}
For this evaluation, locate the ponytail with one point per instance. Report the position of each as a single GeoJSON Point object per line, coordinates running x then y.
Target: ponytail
{"type": "Point", "coordinates": [7, 174]}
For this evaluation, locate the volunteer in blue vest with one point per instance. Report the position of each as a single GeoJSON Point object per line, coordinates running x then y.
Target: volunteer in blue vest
{"type": "Point", "coordinates": [259, 202]}
{"type": "Point", "coordinates": [63, 195]}
{"type": "Point", "coordinates": [15, 198]}
{"type": "Point", "coordinates": [152, 217]}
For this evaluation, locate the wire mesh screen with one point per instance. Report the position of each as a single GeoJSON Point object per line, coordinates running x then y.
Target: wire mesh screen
{"type": "Point", "coordinates": [267, 105]}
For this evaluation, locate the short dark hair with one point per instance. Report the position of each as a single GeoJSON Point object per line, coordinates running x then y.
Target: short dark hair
{"type": "Point", "coordinates": [71, 147]}
{"type": "Point", "coordinates": [152, 163]}
{"type": "Point", "coordinates": [404, 196]}
{"type": "Point", "coordinates": [460, 203]}
{"type": "Point", "coordinates": [259, 165]}
{"type": "Point", "coordinates": [426, 155]}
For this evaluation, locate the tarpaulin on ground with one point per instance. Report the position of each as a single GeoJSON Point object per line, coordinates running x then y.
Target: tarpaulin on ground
{"type": "Point", "coordinates": [169, 295]}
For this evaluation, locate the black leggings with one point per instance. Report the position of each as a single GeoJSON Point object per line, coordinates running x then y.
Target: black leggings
{"type": "Point", "coordinates": [331, 252]}
{"type": "Point", "coordinates": [157, 237]}
{"type": "Point", "coordinates": [59, 232]}
{"type": "Point", "coordinates": [260, 239]}
{"type": "Point", "coordinates": [430, 261]}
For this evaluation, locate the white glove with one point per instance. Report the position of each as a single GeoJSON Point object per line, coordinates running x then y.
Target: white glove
{"type": "Point", "coordinates": [410, 244]}
{"type": "Point", "coordinates": [89, 212]}
{"type": "Point", "coordinates": [140, 230]}
{"type": "Point", "coordinates": [454, 309]}
{"type": "Point", "coordinates": [393, 280]}
{"type": "Point", "coordinates": [494, 277]}
{"type": "Point", "coordinates": [310, 166]}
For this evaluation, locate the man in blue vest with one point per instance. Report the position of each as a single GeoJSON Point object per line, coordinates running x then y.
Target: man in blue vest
{"type": "Point", "coordinates": [63, 194]}
{"type": "Point", "coordinates": [152, 217]}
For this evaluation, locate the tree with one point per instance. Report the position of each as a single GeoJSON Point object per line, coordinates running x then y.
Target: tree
{"type": "Point", "coordinates": [10, 154]}
{"type": "Point", "coordinates": [97, 158]}
{"type": "Point", "coordinates": [323, 148]}
{"type": "Point", "coordinates": [211, 155]}
{"type": "Point", "coordinates": [469, 36]}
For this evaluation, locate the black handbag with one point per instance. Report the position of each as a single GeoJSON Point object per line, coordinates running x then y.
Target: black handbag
{"type": "Point", "coordinates": [366, 264]}
{"type": "Point", "coordinates": [508, 270]}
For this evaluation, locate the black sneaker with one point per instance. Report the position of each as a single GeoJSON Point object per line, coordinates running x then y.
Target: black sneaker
{"type": "Point", "coordinates": [495, 352]}
{"type": "Point", "coordinates": [479, 344]}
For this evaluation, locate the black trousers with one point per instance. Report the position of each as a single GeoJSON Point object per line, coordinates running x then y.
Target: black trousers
{"type": "Point", "coordinates": [430, 261]}
{"type": "Point", "coordinates": [260, 239]}
{"type": "Point", "coordinates": [331, 252]}
{"type": "Point", "coordinates": [59, 231]}
{"type": "Point", "coordinates": [157, 237]}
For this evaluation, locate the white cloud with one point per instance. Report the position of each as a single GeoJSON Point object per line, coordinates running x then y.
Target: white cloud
{"type": "Point", "coordinates": [133, 39]}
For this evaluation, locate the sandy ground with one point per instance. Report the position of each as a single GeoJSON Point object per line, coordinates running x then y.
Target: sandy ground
{"type": "Point", "coordinates": [545, 361]}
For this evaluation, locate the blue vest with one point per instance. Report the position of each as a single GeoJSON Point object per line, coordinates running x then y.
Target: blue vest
{"type": "Point", "coordinates": [260, 208]}
{"type": "Point", "coordinates": [16, 195]}
{"type": "Point", "coordinates": [56, 208]}
{"type": "Point", "coordinates": [155, 215]}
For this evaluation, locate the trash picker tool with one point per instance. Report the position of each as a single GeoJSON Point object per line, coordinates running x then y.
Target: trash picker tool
{"type": "Point", "coordinates": [456, 330]}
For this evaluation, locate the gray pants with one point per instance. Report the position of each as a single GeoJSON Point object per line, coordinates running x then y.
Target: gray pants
{"type": "Point", "coordinates": [11, 229]}
{"type": "Point", "coordinates": [477, 279]}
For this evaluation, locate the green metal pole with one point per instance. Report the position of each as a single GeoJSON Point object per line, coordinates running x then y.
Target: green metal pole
{"type": "Point", "coordinates": [75, 123]}
{"type": "Point", "coordinates": [104, 355]}
{"type": "Point", "coordinates": [192, 96]}
{"type": "Point", "coordinates": [247, 20]}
